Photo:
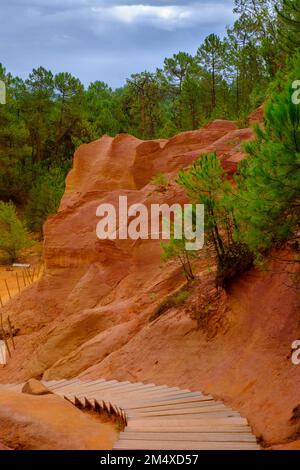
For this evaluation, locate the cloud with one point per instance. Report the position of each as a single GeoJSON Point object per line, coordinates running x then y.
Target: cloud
{"type": "Point", "coordinates": [104, 39]}
{"type": "Point", "coordinates": [161, 16]}
{"type": "Point", "coordinates": [166, 16]}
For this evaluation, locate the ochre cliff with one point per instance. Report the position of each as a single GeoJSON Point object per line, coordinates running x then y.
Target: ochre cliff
{"type": "Point", "coordinates": [92, 312]}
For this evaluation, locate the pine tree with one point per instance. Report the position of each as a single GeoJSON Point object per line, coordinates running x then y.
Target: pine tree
{"type": "Point", "coordinates": [210, 56]}
{"type": "Point", "coordinates": [175, 249]}
{"type": "Point", "coordinates": [206, 183]}
{"type": "Point", "coordinates": [268, 200]}
{"type": "Point", "coordinates": [13, 233]}
{"type": "Point", "coordinates": [289, 14]}
{"type": "Point", "coordinates": [145, 96]}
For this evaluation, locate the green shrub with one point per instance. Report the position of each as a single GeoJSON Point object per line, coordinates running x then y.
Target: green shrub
{"type": "Point", "coordinates": [235, 261]}
{"type": "Point", "coordinates": [160, 180]}
{"type": "Point", "coordinates": [173, 300]}
{"type": "Point", "coordinates": [176, 250]}
{"type": "Point", "coordinates": [44, 198]}
{"type": "Point", "coordinates": [180, 297]}
{"type": "Point", "coordinates": [13, 234]}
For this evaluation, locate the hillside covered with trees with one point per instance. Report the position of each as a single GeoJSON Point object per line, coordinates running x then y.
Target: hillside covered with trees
{"type": "Point", "coordinates": [47, 116]}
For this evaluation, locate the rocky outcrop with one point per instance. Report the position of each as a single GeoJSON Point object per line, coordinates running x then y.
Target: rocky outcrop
{"type": "Point", "coordinates": [50, 423]}
{"type": "Point", "coordinates": [35, 387]}
{"type": "Point", "coordinates": [92, 314]}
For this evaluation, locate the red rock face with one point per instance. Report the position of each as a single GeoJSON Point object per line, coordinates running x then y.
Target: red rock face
{"type": "Point", "coordinates": [89, 315]}
{"type": "Point", "coordinates": [50, 423]}
{"type": "Point", "coordinates": [3, 447]}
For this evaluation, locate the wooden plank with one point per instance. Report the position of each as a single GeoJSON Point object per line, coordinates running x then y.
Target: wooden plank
{"type": "Point", "coordinates": [105, 384]}
{"type": "Point", "coordinates": [116, 384]}
{"type": "Point", "coordinates": [178, 406]}
{"type": "Point", "coordinates": [194, 421]}
{"type": "Point", "coordinates": [137, 388]}
{"type": "Point", "coordinates": [184, 428]}
{"type": "Point", "coordinates": [187, 411]}
{"type": "Point", "coordinates": [122, 399]}
{"type": "Point", "coordinates": [160, 395]}
{"type": "Point", "coordinates": [134, 402]}
{"type": "Point", "coordinates": [186, 418]}
{"type": "Point", "coordinates": [68, 382]}
{"type": "Point", "coordinates": [78, 388]}
{"type": "Point", "coordinates": [85, 384]}
{"type": "Point", "coordinates": [53, 383]}
{"type": "Point", "coordinates": [117, 388]}
{"type": "Point", "coordinates": [81, 385]}
{"type": "Point", "coordinates": [175, 445]}
{"type": "Point", "coordinates": [158, 403]}
{"type": "Point", "coordinates": [62, 383]}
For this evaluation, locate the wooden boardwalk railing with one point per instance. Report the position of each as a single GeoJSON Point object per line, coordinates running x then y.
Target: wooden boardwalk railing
{"type": "Point", "coordinates": [163, 418]}
{"type": "Point", "coordinates": [13, 281]}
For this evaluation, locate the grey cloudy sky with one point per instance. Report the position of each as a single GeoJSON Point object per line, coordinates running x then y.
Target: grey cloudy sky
{"type": "Point", "coordinates": [104, 39]}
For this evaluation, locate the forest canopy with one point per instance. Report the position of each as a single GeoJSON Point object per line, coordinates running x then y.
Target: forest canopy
{"type": "Point", "coordinates": [47, 116]}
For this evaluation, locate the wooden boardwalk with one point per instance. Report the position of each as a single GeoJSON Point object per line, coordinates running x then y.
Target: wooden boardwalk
{"type": "Point", "coordinates": [162, 417]}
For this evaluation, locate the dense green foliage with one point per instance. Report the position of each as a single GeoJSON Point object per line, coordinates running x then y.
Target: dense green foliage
{"type": "Point", "coordinates": [47, 116]}
{"type": "Point", "coordinates": [13, 234]}
{"type": "Point", "coordinates": [289, 15]}
{"type": "Point", "coordinates": [206, 183]}
{"type": "Point", "coordinates": [44, 197]}
{"type": "Point", "coordinates": [176, 249]}
{"type": "Point", "coordinates": [262, 210]}
{"type": "Point", "coordinates": [268, 197]}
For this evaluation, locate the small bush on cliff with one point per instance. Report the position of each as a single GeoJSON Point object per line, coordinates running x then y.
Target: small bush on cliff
{"type": "Point", "coordinates": [160, 180]}
{"type": "Point", "coordinates": [174, 300]}
{"type": "Point", "coordinates": [13, 234]}
{"type": "Point", "coordinates": [175, 249]}
{"type": "Point", "coordinates": [206, 183]}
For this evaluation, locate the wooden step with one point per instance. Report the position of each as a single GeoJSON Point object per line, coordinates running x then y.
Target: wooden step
{"type": "Point", "coordinates": [176, 401]}
{"type": "Point", "coordinates": [61, 383]}
{"type": "Point", "coordinates": [189, 437]}
{"type": "Point", "coordinates": [141, 396]}
{"type": "Point", "coordinates": [189, 428]}
{"type": "Point", "coordinates": [161, 417]}
{"type": "Point", "coordinates": [210, 405]}
{"type": "Point", "coordinates": [175, 445]}
{"type": "Point", "coordinates": [213, 411]}
{"type": "Point", "coordinates": [189, 421]}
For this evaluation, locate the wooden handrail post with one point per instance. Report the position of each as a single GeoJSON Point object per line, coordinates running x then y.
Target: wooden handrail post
{"type": "Point", "coordinates": [4, 334]}
{"type": "Point", "coordinates": [11, 332]}
{"type": "Point", "coordinates": [9, 294]}
{"type": "Point", "coordinates": [18, 283]}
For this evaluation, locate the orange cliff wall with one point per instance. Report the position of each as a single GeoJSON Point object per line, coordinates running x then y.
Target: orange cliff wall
{"type": "Point", "coordinates": [89, 315]}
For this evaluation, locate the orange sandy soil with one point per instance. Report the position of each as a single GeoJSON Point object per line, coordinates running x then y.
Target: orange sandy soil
{"type": "Point", "coordinates": [91, 313]}
{"type": "Point", "coordinates": [50, 423]}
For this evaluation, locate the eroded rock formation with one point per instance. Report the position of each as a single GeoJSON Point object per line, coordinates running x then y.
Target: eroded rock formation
{"type": "Point", "coordinates": [90, 313]}
{"type": "Point", "coordinates": [49, 423]}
